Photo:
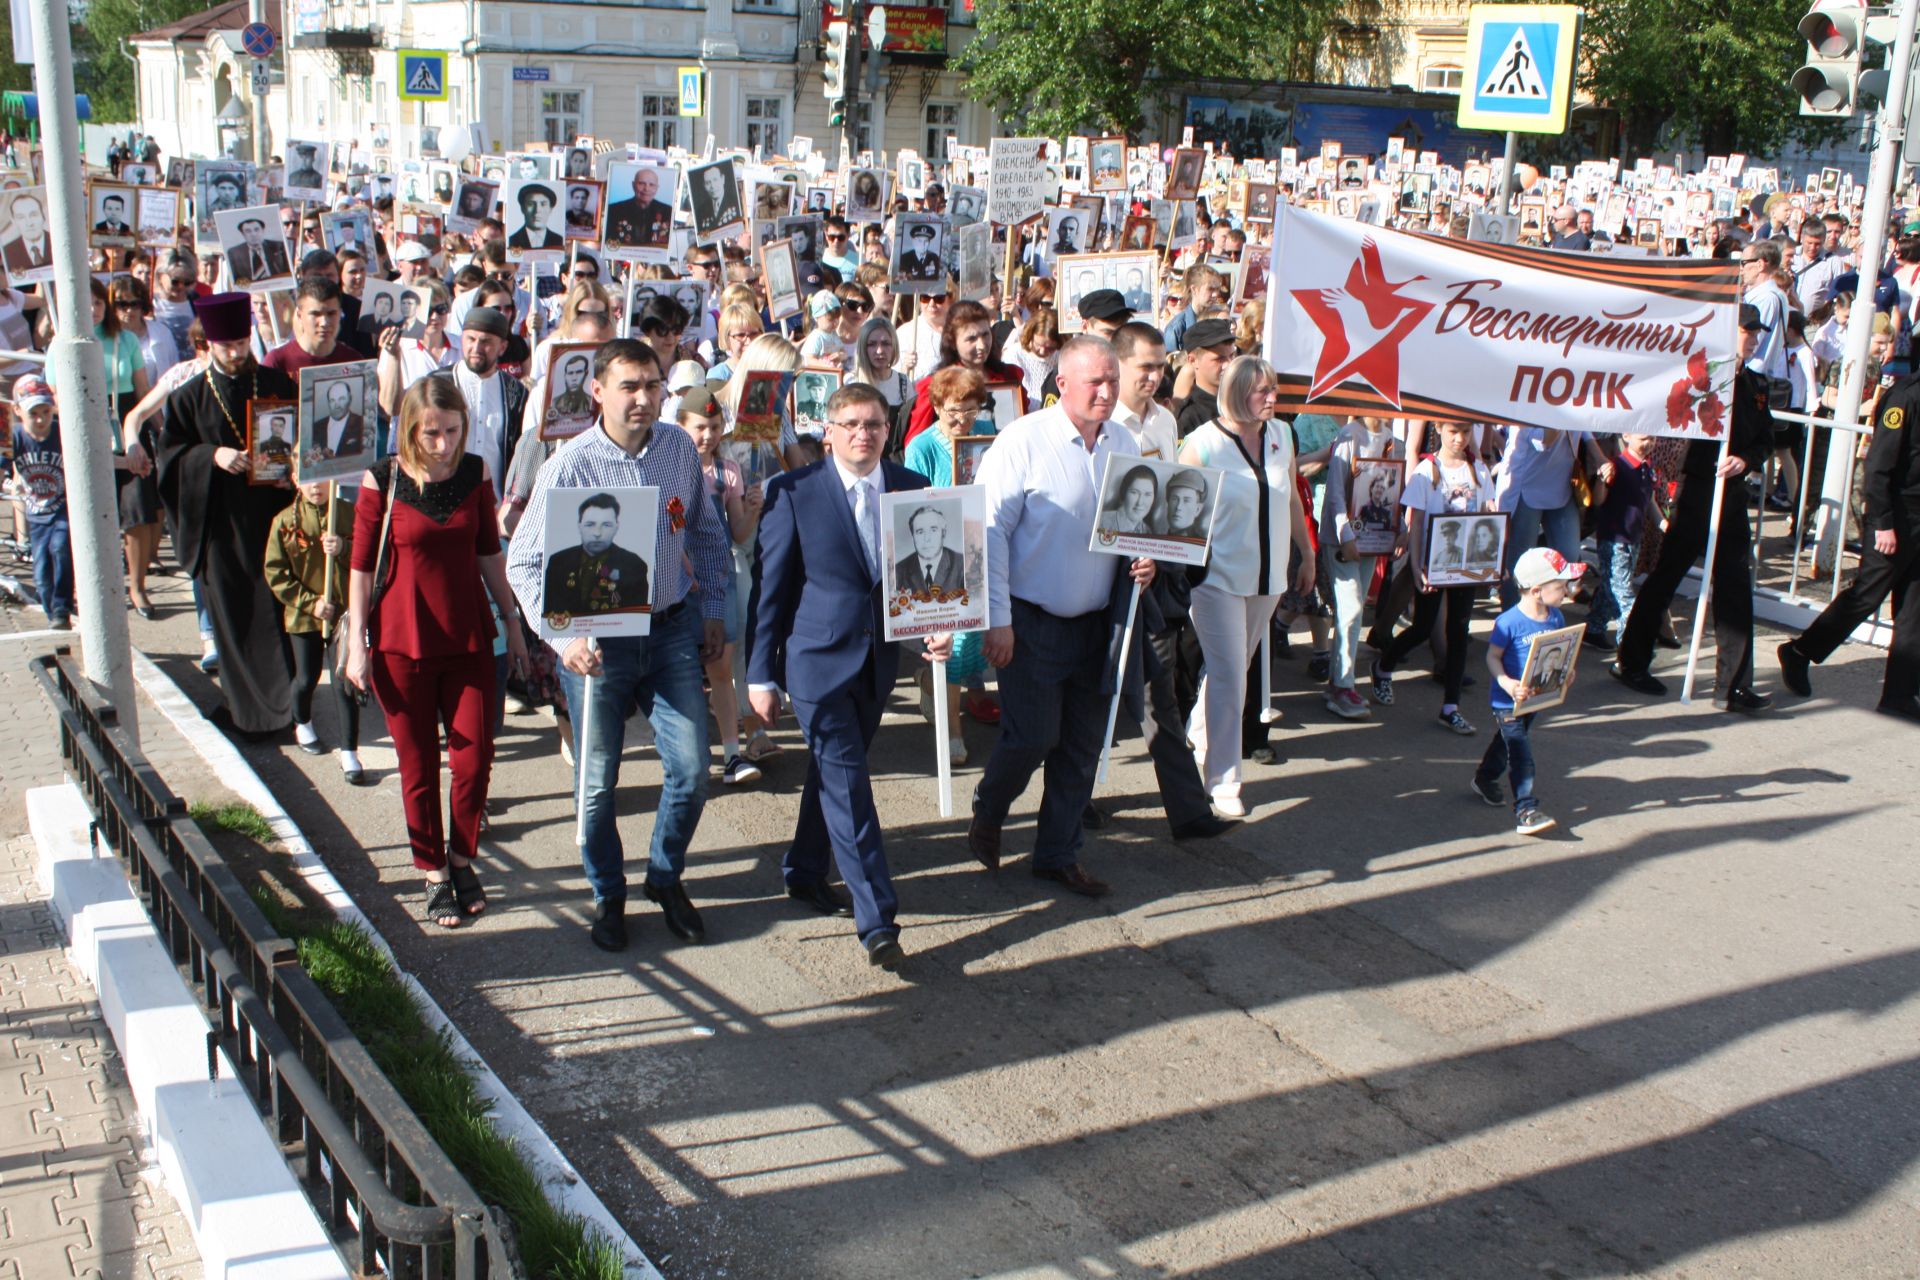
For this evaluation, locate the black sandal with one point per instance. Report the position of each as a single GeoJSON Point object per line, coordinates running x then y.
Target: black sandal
{"type": "Point", "coordinates": [467, 889]}
{"type": "Point", "coordinates": [442, 905]}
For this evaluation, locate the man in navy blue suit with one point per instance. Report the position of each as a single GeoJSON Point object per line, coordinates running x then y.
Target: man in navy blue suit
{"type": "Point", "coordinates": [815, 630]}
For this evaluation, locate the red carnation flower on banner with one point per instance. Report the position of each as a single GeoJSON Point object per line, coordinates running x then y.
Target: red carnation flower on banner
{"type": "Point", "coordinates": [676, 513]}
{"type": "Point", "coordinates": [1697, 369]}
{"type": "Point", "coordinates": [1679, 403]}
{"type": "Point", "coordinates": [1691, 399]}
{"type": "Point", "coordinates": [1712, 415]}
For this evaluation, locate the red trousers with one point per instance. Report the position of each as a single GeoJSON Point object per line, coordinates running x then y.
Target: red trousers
{"type": "Point", "coordinates": [419, 695]}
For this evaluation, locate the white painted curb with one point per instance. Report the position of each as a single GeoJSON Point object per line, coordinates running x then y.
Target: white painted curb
{"type": "Point", "coordinates": [563, 1182]}
{"type": "Point", "coordinates": [248, 1216]}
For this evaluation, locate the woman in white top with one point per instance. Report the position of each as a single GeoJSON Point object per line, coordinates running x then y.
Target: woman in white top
{"type": "Point", "coordinates": [404, 361]}
{"type": "Point", "coordinates": [1256, 525]}
{"type": "Point", "coordinates": [1034, 349]}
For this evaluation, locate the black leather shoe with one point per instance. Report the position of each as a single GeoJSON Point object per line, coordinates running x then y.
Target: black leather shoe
{"type": "Point", "coordinates": [884, 951]}
{"type": "Point", "coordinates": [821, 896]}
{"type": "Point", "coordinates": [983, 842]}
{"type": "Point", "coordinates": [683, 922]}
{"type": "Point", "coordinates": [1204, 828]}
{"type": "Point", "coordinates": [1092, 819]}
{"type": "Point", "coordinates": [609, 931]}
{"type": "Point", "coordinates": [1905, 708]}
{"type": "Point", "coordinates": [1743, 700]}
{"type": "Point", "coordinates": [1794, 669]}
{"type": "Point", "coordinates": [1670, 642]}
{"type": "Point", "coordinates": [1639, 681]}
{"type": "Point", "coordinates": [1074, 879]}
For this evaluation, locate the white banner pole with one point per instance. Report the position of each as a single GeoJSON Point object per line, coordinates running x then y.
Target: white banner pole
{"type": "Point", "coordinates": [580, 757]}
{"type": "Point", "coordinates": [1119, 684]}
{"type": "Point", "coordinates": [942, 746]}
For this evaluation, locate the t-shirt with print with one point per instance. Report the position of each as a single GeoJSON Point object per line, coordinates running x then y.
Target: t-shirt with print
{"type": "Point", "coordinates": [1513, 633]}
{"type": "Point", "coordinates": [39, 475]}
{"type": "Point", "coordinates": [1459, 489]}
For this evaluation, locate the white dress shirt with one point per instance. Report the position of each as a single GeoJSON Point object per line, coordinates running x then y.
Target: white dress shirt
{"type": "Point", "coordinates": [878, 479]}
{"type": "Point", "coordinates": [1154, 432]}
{"type": "Point", "coordinates": [1043, 493]}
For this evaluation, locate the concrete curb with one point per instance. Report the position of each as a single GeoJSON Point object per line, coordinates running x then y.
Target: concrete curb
{"type": "Point", "coordinates": [563, 1182]}
{"type": "Point", "coordinates": [248, 1216]}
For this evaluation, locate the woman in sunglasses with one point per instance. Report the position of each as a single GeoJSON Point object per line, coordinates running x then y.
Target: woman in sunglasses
{"type": "Point", "coordinates": [405, 360]}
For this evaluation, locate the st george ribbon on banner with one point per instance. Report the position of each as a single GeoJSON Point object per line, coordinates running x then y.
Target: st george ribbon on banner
{"type": "Point", "coordinates": [1394, 324]}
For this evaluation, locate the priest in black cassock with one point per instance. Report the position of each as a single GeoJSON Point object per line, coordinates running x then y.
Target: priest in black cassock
{"type": "Point", "coordinates": [221, 521]}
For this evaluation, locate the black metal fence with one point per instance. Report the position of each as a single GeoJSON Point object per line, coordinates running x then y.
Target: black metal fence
{"type": "Point", "coordinates": [391, 1200]}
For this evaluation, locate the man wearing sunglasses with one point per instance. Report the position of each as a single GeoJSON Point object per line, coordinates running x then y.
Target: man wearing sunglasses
{"type": "Point", "coordinates": [837, 251]}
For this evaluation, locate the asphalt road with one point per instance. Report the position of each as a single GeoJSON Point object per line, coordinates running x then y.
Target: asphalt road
{"type": "Point", "coordinates": [1371, 1033]}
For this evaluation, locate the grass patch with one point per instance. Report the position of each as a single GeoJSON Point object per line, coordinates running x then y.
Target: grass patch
{"type": "Point", "coordinates": [240, 818]}
{"type": "Point", "coordinates": [346, 963]}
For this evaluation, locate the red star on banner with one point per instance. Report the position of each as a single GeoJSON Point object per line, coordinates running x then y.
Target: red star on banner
{"type": "Point", "coordinates": [1363, 326]}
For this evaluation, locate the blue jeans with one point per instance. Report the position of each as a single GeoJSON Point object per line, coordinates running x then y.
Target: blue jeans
{"type": "Point", "coordinates": [1613, 592]}
{"type": "Point", "coordinates": [1561, 525]}
{"type": "Point", "coordinates": [661, 673]}
{"type": "Point", "coordinates": [47, 536]}
{"type": "Point", "coordinates": [1511, 753]}
{"type": "Point", "coordinates": [200, 609]}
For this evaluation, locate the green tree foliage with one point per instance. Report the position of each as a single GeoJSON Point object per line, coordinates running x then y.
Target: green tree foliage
{"type": "Point", "coordinates": [1711, 72]}
{"type": "Point", "coordinates": [1078, 66]}
{"type": "Point", "coordinates": [103, 61]}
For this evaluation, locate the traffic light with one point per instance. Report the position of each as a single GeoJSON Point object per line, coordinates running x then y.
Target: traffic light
{"type": "Point", "coordinates": [1836, 36]}
{"type": "Point", "coordinates": [833, 56]}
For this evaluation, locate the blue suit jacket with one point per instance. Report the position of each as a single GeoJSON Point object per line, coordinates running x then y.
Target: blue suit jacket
{"type": "Point", "coordinates": [815, 614]}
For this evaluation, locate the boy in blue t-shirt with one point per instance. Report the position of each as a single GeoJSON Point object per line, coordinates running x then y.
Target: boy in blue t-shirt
{"type": "Point", "coordinates": [1542, 576]}
{"type": "Point", "coordinates": [40, 484]}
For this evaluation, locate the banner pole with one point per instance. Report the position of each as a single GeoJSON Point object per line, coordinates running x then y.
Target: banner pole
{"type": "Point", "coordinates": [326, 574]}
{"type": "Point", "coordinates": [580, 757]}
{"type": "Point", "coordinates": [942, 747]}
{"type": "Point", "coordinates": [1506, 174]}
{"type": "Point", "coordinates": [1267, 714]}
{"type": "Point", "coordinates": [1706, 576]}
{"type": "Point", "coordinates": [1119, 684]}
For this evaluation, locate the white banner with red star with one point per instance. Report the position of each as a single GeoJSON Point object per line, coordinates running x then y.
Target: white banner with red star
{"type": "Point", "coordinates": [1361, 319]}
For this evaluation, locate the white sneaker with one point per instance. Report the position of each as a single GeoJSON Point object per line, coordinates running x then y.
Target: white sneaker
{"type": "Point", "coordinates": [739, 770]}
{"type": "Point", "coordinates": [957, 750]}
{"type": "Point", "coordinates": [1347, 704]}
{"type": "Point", "coordinates": [1229, 807]}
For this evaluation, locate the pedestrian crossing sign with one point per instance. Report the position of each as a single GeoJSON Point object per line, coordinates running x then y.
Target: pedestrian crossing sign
{"type": "Point", "coordinates": [1520, 67]}
{"type": "Point", "coordinates": [423, 75]}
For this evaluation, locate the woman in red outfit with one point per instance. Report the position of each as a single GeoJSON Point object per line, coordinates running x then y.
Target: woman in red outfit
{"type": "Point", "coordinates": [967, 341]}
{"type": "Point", "coordinates": [428, 654]}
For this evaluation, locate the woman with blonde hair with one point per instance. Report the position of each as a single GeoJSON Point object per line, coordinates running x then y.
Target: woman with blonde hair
{"type": "Point", "coordinates": [1256, 525]}
{"type": "Point", "coordinates": [771, 352]}
{"type": "Point", "coordinates": [876, 356]}
{"type": "Point", "coordinates": [739, 325]}
{"type": "Point", "coordinates": [587, 297]}
{"type": "Point", "coordinates": [426, 555]}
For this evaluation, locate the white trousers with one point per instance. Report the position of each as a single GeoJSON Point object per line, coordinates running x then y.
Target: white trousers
{"type": "Point", "coordinates": [1229, 628]}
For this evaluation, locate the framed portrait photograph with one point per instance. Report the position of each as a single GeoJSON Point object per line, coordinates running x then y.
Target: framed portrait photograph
{"type": "Point", "coordinates": [440, 180]}
{"type": "Point", "coordinates": [380, 304]}
{"type": "Point", "coordinates": [1107, 164]}
{"type": "Point", "coordinates": [866, 195]}
{"type": "Point", "coordinates": [935, 561]}
{"type": "Point", "coordinates": [271, 442]}
{"type": "Point", "coordinates": [1373, 504]}
{"type": "Point", "coordinates": [1006, 403]}
{"type": "Point", "coordinates": [568, 408]}
{"type": "Point", "coordinates": [219, 186]}
{"type": "Point", "coordinates": [307, 166]}
{"type": "Point", "coordinates": [110, 213]}
{"type": "Point", "coordinates": [157, 217]}
{"type": "Point", "coordinates": [967, 454]}
{"type": "Point", "coordinates": [529, 166]}
{"type": "Point", "coordinates": [639, 210]}
{"type": "Point", "coordinates": [919, 253]}
{"type": "Point", "coordinates": [1464, 549]}
{"type": "Point", "coordinates": [532, 217]}
{"type": "Point", "coordinates": [351, 230]}
{"type": "Point", "coordinates": [713, 193]}
{"type": "Point", "coordinates": [582, 218]}
{"type": "Point", "coordinates": [473, 202]}
{"type": "Point", "coordinates": [803, 231]}
{"type": "Point", "coordinates": [577, 163]}
{"type": "Point", "coordinates": [1136, 236]}
{"type": "Point", "coordinates": [1183, 173]}
{"type": "Point", "coordinates": [780, 271]}
{"type": "Point", "coordinates": [179, 172]}
{"type": "Point", "coordinates": [1250, 283]}
{"type": "Point", "coordinates": [600, 545]}
{"type": "Point", "coordinates": [756, 416]}
{"type": "Point", "coordinates": [1551, 657]}
{"type": "Point", "coordinates": [819, 199]}
{"type": "Point", "coordinates": [813, 386]}
{"type": "Point", "coordinates": [414, 303]}
{"type": "Point", "coordinates": [336, 437]}
{"type": "Point", "coordinates": [771, 199]}
{"type": "Point", "coordinates": [1077, 275]}
{"type": "Point", "coordinates": [966, 206]}
{"type": "Point", "coordinates": [255, 248]}
{"type": "Point", "coordinates": [976, 260]}
{"type": "Point", "coordinates": [1162, 510]}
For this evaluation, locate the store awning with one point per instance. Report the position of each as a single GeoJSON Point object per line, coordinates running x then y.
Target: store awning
{"type": "Point", "coordinates": [27, 105]}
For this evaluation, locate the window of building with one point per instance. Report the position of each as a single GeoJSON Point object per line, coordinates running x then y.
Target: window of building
{"type": "Point", "coordinates": [943, 118]}
{"type": "Point", "coordinates": [660, 120]}
{"type": "Point", "coordinates": [1441, 80]}
{"type": "Point", "coordinates": [766, 118]}
{"type": "Point", "coordinates": [767, 6]}
{"type": "Point", "coordinates": [563, 114]}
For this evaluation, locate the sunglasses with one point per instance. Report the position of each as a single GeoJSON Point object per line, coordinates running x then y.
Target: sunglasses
{"type": "Point", "coordinates": [834, 237]}
{"type": "Point", "coordinates": [934, 299]}
{"type": "Point", "coordinates": [592, 311]}
{"type": "Point", "coordinates": [438, 310]}
{"type": "Point", "coordinates": [858, 308]}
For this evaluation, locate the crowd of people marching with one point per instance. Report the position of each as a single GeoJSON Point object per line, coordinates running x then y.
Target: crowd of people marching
{"type": "Point", "coordinates": [413, 585]}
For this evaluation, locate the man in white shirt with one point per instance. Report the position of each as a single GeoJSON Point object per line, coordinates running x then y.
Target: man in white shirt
{"type": "Point", "coordinates": [920, 337]}
{"type": "Point", "coordinates": [1048, 612]}
{"type": "Point", "coordinates": [496, 404]}
{"type": "Point", "coordinates": [1143, 363]}
{"type": "Point", "coordinates": [1758, 263]}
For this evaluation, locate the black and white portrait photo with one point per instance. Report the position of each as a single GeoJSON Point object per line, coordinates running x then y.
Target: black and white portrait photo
{"type": "Point", "coordinates": [255, 247]}
{"type": "Point", "coordinates": [780, 271]}
{"type": "Point", "coordinates": [600, 546]}
{"type": "Point", "coordinates": [380, 304]}
{"type": "Point", "coordinates": [1183, 175]}
{"type": "Point", "coordinates": [935, 561]}
{"type": "Point", "coordinates": [713, 192]}
{"type": "Point", "coordinates": [306, 179]}
{"type": "Point", "coordinates": [473, 200]}
{"type": "Point", "coordinates": [569, 408]}
{"type": "Point", "coordinates": [1161, 510]}
{"type": "Point", "coordinates": [533, 217]}
{"type": "Point", "coordinates": [527, 166]}
{"type": "Point", "coordinates": [919, 253]}
{"type": "Point", "coordinates": [1373, 504]}
{"type": "Point", "coordinates": [271, 443]}
{"type": "Point", "coordinates": [804, 231]}
{"type": "Point", "coordinates": [1107, 164]}
{"type": "Point", "coordinates": [639, 221]}
{"type": "Point", "coordinates": [342, 231]}
{"type": "Point", "coordinates": [582, 216]}
{"type": "Point", "coordinates": [1465, 549]}
{"type": "Point", "coordinates": [219, 185]}
{"type": "Point", "coordinates": [337, 437]}
{"type": "Point", "coordinates": [1551, 656]}
{"type": "Point", "coordinates": [812, 388]}
{"type": "Point", "coordinates": [110, 215]}
{"type": "Point", "coordinates": [966, 206]}
{"type": "Point", "coordinates": [866, 195]}
{"type": "Point", "coordinates": [976, 260]}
